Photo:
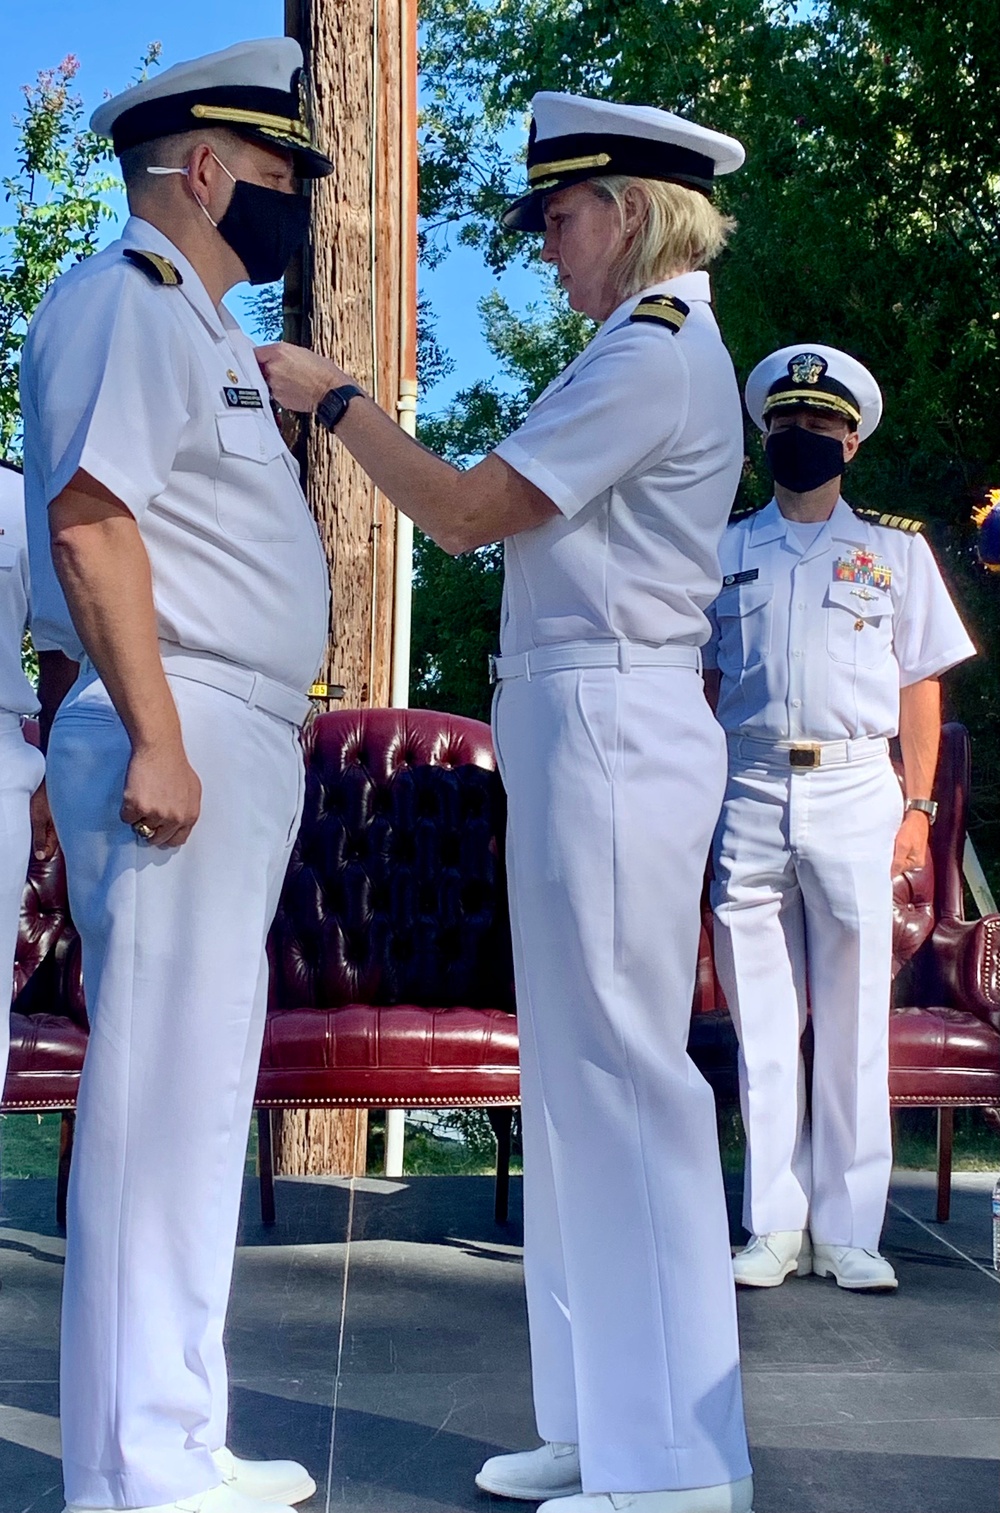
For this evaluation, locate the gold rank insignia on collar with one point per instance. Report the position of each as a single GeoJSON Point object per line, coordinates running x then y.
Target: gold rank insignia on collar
{"type": "Point", "coordinates": [894, 522]}
{"type": "Point", "coordinates": [662, 310]}
{"type": "Point", "coordinates": [159, 270]}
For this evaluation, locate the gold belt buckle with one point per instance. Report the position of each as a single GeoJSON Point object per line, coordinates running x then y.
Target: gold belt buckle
{"type": "Point", "coordinates": [319, 694]}
{"type": "Point", "coordinates": [806, 754]}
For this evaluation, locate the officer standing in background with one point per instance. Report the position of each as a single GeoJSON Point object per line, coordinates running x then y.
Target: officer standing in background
{"type": "Point", "coordinates": [24, 816]}
{"type": "Point", "coordinates": [611, 498]}
{"type": "Point", "coordinates": [830, 634]}
{"type": "Point", "coordinates": [174, 555]}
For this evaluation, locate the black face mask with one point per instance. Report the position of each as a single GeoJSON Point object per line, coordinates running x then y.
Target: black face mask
{"type": "Point", "coordinates": [265, 228]}
{"type": "Point", "coordinates": [802, 460]}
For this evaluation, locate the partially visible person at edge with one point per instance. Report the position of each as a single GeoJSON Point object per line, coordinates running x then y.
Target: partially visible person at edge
{"type": "Point", "coordinates": [174, 556]}
{"type": "Point", "coordinates": [832, 631]}
{"type": "Point", "coordinates": [25, 822]}
{"type": "Point", "coordinates": [611, 499]}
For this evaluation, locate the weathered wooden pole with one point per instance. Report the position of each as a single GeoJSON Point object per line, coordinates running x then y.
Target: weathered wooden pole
{"type": "Point", "coordinates": [353, 297]}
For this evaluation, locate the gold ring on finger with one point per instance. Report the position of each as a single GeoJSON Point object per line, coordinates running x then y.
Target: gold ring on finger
{"type": "Point", "coordinates": [143, 831]}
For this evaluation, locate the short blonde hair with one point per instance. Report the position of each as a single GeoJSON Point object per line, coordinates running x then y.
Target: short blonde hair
{"type": "Point", "coordinates": [682, 231]}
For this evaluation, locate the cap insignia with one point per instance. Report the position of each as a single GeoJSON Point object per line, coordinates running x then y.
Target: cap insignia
{"type": "Point", "coordinates": [807, 368]}
{"type": "Point", "coordinates": [159, 270]}
{"type": "Point", "coordinates": [662, 310]}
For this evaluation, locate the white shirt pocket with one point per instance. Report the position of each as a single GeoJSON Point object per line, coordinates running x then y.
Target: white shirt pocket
{"type": "Point", "coordinates": [253, 498]}
{"type": "Point", "coordinates": [8, 556]}
{"type": "Point", "coordinates": [858, 623]}
{"type": "Point", "coordinates": [744, 616]}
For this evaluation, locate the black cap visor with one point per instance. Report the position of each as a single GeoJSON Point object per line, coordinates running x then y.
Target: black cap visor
{"type": "Point", "coordinates": [559, 162]}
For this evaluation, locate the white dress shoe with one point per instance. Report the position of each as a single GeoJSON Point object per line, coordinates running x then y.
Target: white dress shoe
{"type": "Point", "coordinates": [854, 1268]}
{"type": "Point", "coordinates": [270, 1481]}
{"type": "Point", "coordinates": [553, 1470]}
{"type": "Point", "coordinates": [728, 1497]}
{"type": "Point", "coordinates": [768, 1259]}
{"type": "Point", "coordinates": [221, 1499]}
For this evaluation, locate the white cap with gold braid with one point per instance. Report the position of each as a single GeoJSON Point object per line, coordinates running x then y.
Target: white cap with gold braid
{"type": "Point", "coordinates": [257, 89]}
{"type": "Point", "coordinates": [812, 376]}
{"type": "Point", "coordinates": [573, 138]}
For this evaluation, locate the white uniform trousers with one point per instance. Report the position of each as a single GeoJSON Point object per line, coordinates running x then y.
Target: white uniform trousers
{"type": "Point", "coordinates": [803, 919]}
{"type": "Point", "coordinates": [22, 768]}
{"type": "Point", "coordinates": [176, 985]}
{"type": "Point", "coordinates": [614, 783]}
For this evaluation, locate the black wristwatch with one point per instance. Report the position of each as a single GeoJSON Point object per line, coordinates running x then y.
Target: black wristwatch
{"type": "Point", "coordinates": [333, 406]}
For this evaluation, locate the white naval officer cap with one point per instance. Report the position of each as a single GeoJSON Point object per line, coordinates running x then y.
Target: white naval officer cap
{"type": "Point", "coordinates": [573, 138]}
{"type": "Point", "coordinates": [257, 89]}
{"type": "Point", "coordinates": [814, 377]}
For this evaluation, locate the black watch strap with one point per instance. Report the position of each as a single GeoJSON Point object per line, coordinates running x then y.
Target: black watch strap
{"type": "Point", "coordinates": [333, 405]}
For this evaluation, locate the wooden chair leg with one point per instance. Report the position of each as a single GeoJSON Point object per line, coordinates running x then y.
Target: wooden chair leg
{"type": "Point", "coordinates": [67, 1128]}
{"type": "Point", "coordinates": [265, 1163]}
{"type": "Point", "coordinates": [945, 1144]}
{"type": "Point", "coordinates": [502, 1120]}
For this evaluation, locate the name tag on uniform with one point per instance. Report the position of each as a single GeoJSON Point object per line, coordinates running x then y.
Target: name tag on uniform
{"type": "Point", "coordinates": [243, 399]}
{"type": "Point", "coordinates": [749, 575]}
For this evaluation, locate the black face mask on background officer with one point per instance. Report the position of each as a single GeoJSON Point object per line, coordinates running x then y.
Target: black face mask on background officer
{"type": "Point", "coordinates": [801, 459]}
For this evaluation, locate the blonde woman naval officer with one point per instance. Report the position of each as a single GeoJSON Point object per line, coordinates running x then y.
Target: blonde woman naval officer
{"type": "Point", "coordinates": [174, 556]}
{"type": "Point", "coordinates": [611, 498]}
{"type": "Point", "coordinates": [832, 631]}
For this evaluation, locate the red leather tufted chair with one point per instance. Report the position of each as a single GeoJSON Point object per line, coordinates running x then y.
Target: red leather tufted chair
{"type": "Point", "coordinates": [391, 978]}
{"type": "Point", "coordinates": [48, 1022]}
{"type": "Point", "coordinates": [944, 1031]}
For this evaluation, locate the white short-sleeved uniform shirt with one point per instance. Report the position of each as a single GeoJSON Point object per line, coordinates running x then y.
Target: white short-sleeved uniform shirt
{"type": "Point", "coordinates": [639, 444]}
{"type": "Point", "coordinates": [814, 642]}
{"type": "Point", "coordinates": [156, 392]}
{"type": "Point", "coordinates": [16, 694]}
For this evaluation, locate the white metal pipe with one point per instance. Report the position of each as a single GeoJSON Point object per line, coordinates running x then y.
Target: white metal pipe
{"type": "Point", "coordinates": [402, 608]}
{"type": "Point", "coordinates": [395, 1129]}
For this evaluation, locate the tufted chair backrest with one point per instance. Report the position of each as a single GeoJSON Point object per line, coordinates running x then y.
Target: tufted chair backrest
{"type": "Point", "coordinates": [396, 892]}
{"type": "Point", "coordinates": [45, 935]}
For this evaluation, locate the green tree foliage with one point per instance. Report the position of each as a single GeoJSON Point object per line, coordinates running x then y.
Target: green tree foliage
{"type": "Point", "coordinates": [57, 198]}
{"type": "Point", "coordinates": [869, 218]}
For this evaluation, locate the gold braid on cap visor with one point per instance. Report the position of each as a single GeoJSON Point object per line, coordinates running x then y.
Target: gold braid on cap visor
{"type": "Point", "coordinates": [568, 165]}
{"type": "Point", "coordinates": [234, 116]}
{"type": "Point", "coordinates": [816, 400]}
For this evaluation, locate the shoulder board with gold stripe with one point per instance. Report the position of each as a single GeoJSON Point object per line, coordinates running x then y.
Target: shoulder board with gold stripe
{"type": "Point", "coordinates": [894, 522]}
{"type": "Point", "coordinates": [662, 310]}
{"type": "Point", "coordinates": [740, 512]}
{"type": "Point", "coordinates": [159, 270]}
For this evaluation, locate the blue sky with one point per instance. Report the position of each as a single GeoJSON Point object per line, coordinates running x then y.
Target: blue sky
{"type": "Point", "coordinates": [110, 36]}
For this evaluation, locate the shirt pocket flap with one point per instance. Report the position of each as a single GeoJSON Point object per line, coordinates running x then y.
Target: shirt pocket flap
{"type": "Point", "coordinates": [743, 599]}
{"type": "Point", "coordinates": [245, 434]}
{"type": "Point", "coordinates": [863, 602]}
{"type": "Point", "coordinates": [8, 554]}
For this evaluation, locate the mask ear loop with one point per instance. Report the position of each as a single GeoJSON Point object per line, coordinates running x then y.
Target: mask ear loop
{"type": "Point", "coordinates": [186, 174]}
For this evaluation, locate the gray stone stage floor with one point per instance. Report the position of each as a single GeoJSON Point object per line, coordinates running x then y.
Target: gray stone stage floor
{"type": "Point", "coordinates": [378, 1334]}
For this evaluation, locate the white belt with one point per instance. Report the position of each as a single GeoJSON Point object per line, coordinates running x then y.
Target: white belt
{"type": "Point", "coordinates": [253, 688]}
{"type": "Point", "coordinates": [573, 654]}
{"type": "Point", "coordinates": [806, 754]}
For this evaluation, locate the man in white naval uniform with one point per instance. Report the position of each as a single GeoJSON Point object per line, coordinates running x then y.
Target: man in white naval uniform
{"type": "Point", "coordinates": [24, 817]}
{"type": "Point", "coordinates": [174, 555]}
{"type": "Point", "coordinates": [832, 630]}
{"type": "Point", "coordinates": [612, 497]}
